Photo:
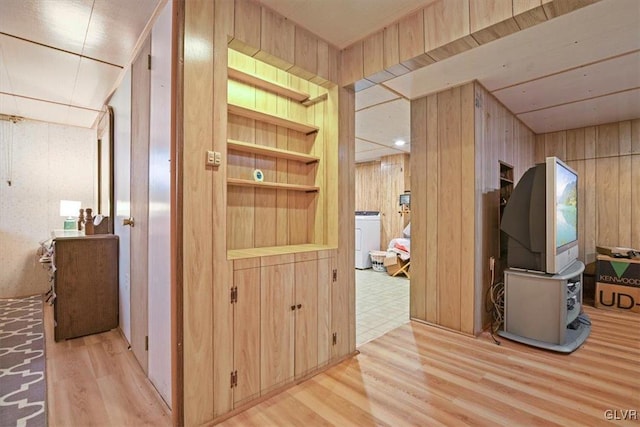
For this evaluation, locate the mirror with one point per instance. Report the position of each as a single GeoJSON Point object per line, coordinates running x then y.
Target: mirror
{"type": "Point", "coordinates": [105, 167]}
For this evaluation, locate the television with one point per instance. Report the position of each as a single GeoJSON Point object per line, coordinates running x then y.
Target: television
{"type": "Point", "coordinates": [541, 218]}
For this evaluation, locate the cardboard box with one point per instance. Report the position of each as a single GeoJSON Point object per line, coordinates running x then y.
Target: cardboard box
{"type": "Point", "coordinates": [618, 271]}
{"type": "Point", "coordinates": [616, 297]}
{"type": "Point", "coordinates": [613, 250]}
{"type": "Point", "coordinates": [617, 284]}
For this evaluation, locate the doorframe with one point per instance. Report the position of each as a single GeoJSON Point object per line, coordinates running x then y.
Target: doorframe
{"type": "Point", "coordinates": [177, 241]}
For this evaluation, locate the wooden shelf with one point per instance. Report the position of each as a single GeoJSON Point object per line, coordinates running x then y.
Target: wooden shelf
{"type": "Point", "coordinates": [275, 185]}
{"type": "Point", "coordinates": [268, 85]}
{"type": "Point", "coordinates": [506, 180]}
{"type": "Point", "coordinates": [247, 147]}
{"type": "Point", "coordinates": [275, 250]}
{"type": "Point", "coordinates": [272, 118]}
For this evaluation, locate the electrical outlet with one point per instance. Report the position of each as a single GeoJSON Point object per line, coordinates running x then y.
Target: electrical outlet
{"type": "Point", "coordinates": [492, 264]}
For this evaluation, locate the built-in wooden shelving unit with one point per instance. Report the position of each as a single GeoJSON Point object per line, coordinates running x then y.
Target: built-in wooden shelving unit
{"type": "Point", "coordinates": [275, 185]}
{"type": "Point", "coordinates": [275, 250]}
{"type": "Point", "coordinates": [506, 188]}
{"type": "Point", "coordinates": [247, 147]}
{"type": "Point", "coordinates": [268, 85]}
{"type": "Point", "coordinates": [276, 124]}
{"type": "Point", "coordinates": [272, 119]}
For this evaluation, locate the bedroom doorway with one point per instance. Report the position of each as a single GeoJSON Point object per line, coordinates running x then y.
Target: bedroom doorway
{"type": "Point", "coordinates": [382, 181]}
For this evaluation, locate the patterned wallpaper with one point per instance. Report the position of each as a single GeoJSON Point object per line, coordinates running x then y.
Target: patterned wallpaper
{"type": "Point", "coordinates": [45, 163]}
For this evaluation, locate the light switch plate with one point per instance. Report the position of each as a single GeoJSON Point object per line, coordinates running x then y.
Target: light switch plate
{"type": "Point", "coordinates": [214, 158]}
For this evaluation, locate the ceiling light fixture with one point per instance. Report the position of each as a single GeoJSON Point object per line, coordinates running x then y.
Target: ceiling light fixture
{"type": "Point", "coordinates": [399, 142]}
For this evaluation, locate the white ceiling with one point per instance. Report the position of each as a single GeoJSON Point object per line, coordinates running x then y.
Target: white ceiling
{"type": "Point", "coordinates": [60, 60]}
{"type": "Point", "coordinates": [382, 118]}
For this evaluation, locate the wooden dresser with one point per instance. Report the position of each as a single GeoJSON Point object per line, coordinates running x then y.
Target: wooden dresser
{"type": "Point", "coordinates": [86, 284]}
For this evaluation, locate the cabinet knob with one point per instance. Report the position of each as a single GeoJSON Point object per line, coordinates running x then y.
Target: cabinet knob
{"type": "Point", "coordinates": [299, 306]}
{"type": "Point", "coordinates": [293, 307]}
{"type": "Point", "coordinates": [128, 221]}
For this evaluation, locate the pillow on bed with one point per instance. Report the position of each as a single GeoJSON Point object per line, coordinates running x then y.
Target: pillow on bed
{"type": "Point", "coordinates": [407, 231]}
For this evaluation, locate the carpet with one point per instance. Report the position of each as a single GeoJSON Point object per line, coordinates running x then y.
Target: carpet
{"type": "Point", "coordinates": [22, 363]}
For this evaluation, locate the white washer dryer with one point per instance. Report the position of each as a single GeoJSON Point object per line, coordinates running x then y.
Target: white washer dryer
{"type": "Point", "coordinates": [367, 237]}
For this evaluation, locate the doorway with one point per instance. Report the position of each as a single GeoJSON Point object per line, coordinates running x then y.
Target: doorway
{"type": "Point", "coordinates": [382, 193]}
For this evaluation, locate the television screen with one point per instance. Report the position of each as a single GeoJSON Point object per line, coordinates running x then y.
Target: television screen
{"type": "Point", "coordinates": [541, 218]}
{"type": "Point", "coordinates": [566, 206]}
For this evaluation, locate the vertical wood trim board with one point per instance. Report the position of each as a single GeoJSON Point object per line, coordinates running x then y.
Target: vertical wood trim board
{"type": "Point", "coordinates": [223, 360]}
{"type": "Point", "coordinates": [343, 292]}
{"type": "Point", "coordinates": [391, 185]}
{"type": "Point", "coordinates": [606, 159]}
{"type": "Point", "coordinates": [417, 300]}
{"type": "Point", "coordinates": [468, 261]}
{"type": "Point", "coordinates": [432, 274]}
{"type": "Point", "coordinates": [368, 196]}
{"type": "Point", "coordinates": [177, 214]}
{"type": "Point", "coordinates": [198, 205]}
{"type": "Point", "coordinates": [449, 208]}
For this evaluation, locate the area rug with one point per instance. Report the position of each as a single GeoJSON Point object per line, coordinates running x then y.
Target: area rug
{"type": "Point", "coordinates": [22, 363]}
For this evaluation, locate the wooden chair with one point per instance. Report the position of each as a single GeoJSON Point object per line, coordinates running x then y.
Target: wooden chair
{"type": "Point", "coordinates": [404, 270]}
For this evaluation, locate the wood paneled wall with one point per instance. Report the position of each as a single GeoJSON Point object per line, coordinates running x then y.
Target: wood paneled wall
{"type": "Point", "coordinates": [197, 192]}
{"type": "Point", "coordinates": [345, 102]}
{"type": "Point", "coordinates": [458, 137]}
{"type": "Point", "coordinates": [443, 170]}
{"type": "Point", "coordinates": [500, 136]}
{"type": "Point", "coordinates": [378, 185]}
{"type": "Point", "coordinates": [607, 159]}
{"type": "Point", "coordinates": [209, 27]}
{"type": "Point", "coordinates": [259, 32]}
{"type": "Point", "coordinates": [442, 29]}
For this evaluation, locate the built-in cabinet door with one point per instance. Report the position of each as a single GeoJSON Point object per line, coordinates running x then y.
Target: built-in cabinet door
{"type": "Point", "coordinates": [246, 333]}
{"type": "Point", "coordinates": [339, 315]}
{"type": "Point", "coordinates": [276, 325]}
{"type": "Point", "coordinates": [325, 277]}
{"type": "Point", "coordinates": [306, 316]}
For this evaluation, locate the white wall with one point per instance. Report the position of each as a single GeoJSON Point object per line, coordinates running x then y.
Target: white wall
{"type": "Point", "coordinates": [121, 103]}
{"type": "Point", "coordinates": [46, 163]}
{"type": "Point", "coordinates": [159, 207]}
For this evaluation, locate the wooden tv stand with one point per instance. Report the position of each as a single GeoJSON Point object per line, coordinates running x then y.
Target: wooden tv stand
{"type": "Point", "coordinates": [536, 309]}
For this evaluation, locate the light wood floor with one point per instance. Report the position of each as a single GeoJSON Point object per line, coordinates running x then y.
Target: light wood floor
{"type": "Point", "coordinates": [95, 381]}
{"type": "Point", "coordinates": [415, 375]}
{"type": "Point", "coordinates": [422, 376]}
